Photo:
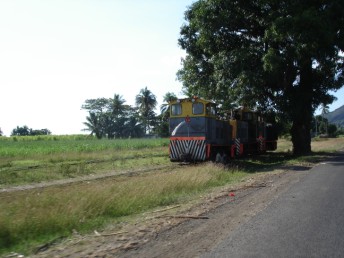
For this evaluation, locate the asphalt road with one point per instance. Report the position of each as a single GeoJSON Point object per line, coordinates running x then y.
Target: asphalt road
{"type": "Point", "coordinates": [306, 221]}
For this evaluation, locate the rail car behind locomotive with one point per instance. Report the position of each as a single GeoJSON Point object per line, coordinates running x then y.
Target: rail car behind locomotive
{"type": "Point", "coordinates": [199, 134]}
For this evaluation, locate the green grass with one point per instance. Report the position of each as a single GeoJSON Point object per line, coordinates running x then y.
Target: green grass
{"type": "Point", "coordinates": [30, 218]}
{"type": "Point", "coordinates": [32, 161]}
{"type": "Point", "coordinates": [29, 145]}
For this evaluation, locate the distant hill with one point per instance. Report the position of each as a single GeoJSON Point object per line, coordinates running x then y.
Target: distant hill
{"type": "Point", "coordinates": [336, 116]}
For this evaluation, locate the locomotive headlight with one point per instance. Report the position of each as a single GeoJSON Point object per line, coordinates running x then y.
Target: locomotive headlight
{"type": "Point", "coordinates": [194, 98]}
{"type": "Point", "coordinates": [178, 100]}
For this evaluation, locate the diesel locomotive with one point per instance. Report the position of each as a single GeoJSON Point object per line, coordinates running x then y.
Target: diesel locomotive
{"type": "Point", "coordinates": [199, 133]}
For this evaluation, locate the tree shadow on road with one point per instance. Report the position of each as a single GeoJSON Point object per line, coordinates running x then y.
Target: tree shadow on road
{"type": "Point", "coordinates": [281, 160]}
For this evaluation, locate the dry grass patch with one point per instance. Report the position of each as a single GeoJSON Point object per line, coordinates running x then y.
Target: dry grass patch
{"type": "Point", "coordinates": [328, 144]}
{"type": "Point", "coordinates": [40, 215]}
{"type": "Point", "coordinates": [317, 144]}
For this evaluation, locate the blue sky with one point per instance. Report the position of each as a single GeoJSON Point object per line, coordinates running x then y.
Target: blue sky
{"type": "Point", "coordinates": [55, 54]}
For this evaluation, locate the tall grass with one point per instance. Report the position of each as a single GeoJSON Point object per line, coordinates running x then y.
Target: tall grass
{"type": "Point", "coordinates": [29, 145]}
{"type": "Point", "coordinates": [29, 160]}
{"type": "Point", "coordinates": [40, 215]}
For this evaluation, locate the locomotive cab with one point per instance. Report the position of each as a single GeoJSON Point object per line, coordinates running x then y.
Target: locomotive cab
{"type": "Point", "coordinates": [187, 117]}
{"type": "Point", "coordinates": [195, 129]}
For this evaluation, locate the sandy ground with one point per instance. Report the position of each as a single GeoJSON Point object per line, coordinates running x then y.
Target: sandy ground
{"type": "Point", "coordinates": [181, 231]}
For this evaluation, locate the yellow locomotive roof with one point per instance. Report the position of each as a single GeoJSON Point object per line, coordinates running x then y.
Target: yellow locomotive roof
{"type": "Point", "coordinates": [193, 99]}
{"type": "Point", "coordinates": [192, 107]}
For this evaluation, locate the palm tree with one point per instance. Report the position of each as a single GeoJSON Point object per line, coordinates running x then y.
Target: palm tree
{"type": "Point", "coordinates": [146, 102]}
{"type": "Point", "coordinates": [133, 128]}
{"type": "Point", "coordinates": [116, 116]}
{"type": "Point", "coordinates": [116, 105]}
{"type": "Point", "coordinates": [169, 96]}
{"type": "Point", "coordinates": [94, 125]}
{"type": "Point", "coordinates": [325, 110]}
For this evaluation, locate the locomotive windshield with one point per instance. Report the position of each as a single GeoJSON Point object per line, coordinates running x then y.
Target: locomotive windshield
{"type": "Point", "coordinates": [176, 110]}
{"type": "Point", "coordinates": [197, 108]}
{"type": "Point", "coordinates": [211, 109]}
{"type": "Point", "coordinates": [247, 116]}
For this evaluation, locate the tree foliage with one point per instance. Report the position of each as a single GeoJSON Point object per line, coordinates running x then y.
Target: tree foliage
{"type": "Point", "coordinates": [169, 96]}
{"type": "Point", "coordinates": [112, 118]}
{"type": "Point", "coordinates": [94, 124]}
{"type": "Point", "coordinates": [163, 127]}
{"type": "Point", "coordinates": [146, 103]}
{"type": "Point", "coordinates": [279, 55]}
{"type": "Point", "coordinates": [321, 126]}
{"type": "Point", "coordinates": [26, 131]}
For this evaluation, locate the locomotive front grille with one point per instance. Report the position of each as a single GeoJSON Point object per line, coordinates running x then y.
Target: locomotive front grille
{"type": "Point", "coordinates": [187, 149]}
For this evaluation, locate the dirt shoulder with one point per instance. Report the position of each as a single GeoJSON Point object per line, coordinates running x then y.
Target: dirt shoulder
{"type": "Point", "coordinates": [182, 231]}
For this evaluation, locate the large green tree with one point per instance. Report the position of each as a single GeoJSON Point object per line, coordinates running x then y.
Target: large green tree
{"type": "Point", "coordinates": [146, 103]}
{"type": "Point", "coordinates": [284, 55]}
{"type": "Point", "coordinates": [107, 117]}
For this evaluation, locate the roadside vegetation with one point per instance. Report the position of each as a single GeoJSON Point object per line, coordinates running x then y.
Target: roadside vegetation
{"type": "Point", "coordinates": [33, 159]}
{"type": "Point", "coordinates": [33, 217]}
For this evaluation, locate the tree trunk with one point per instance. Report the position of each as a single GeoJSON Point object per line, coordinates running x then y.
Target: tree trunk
{"type": "Point", "coordinates": [302, 110]}
{"type": "Point", "coordinates": [301, 138]}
